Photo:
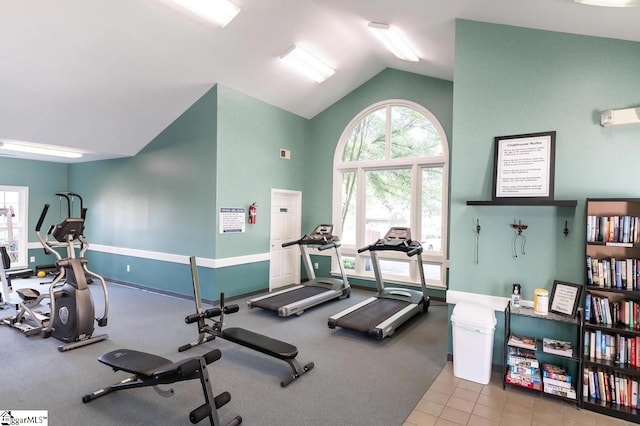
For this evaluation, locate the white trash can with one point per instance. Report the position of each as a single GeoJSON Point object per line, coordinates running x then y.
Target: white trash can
{"type": "Point", "coordinates": [473, 328]}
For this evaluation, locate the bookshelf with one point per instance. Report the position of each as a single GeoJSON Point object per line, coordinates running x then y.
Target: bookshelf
{"type": "Point", "coordinates": [611, 341]}
{"type": "Point", "coordinates": [570, 364]}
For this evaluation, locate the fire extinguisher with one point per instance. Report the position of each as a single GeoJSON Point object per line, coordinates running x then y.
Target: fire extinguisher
{"type": "Point", "coordinates": [253, 211]}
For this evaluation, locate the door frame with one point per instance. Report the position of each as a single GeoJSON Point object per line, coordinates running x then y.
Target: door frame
{"type": "Point", "coordinates": [296, 223]}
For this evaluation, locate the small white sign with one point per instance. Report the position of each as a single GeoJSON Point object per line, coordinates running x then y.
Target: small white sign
{"type": "Point", "coordinates": [232, 220]}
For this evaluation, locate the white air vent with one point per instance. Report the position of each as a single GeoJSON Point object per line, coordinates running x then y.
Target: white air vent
{"type": "Point", "coordinates": [285, 153]}
{"type": "Point", "coordinates": [615, 117]}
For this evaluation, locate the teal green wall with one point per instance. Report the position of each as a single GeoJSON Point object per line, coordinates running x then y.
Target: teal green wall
{"type": "Point", "coordinates": [250, 136]}
{"type": "Point", "coordinates": [222, 152]}
{"type": "Point", "coordinates": [510, 81]}
{"type": "Point", "coordinates": [161, 200]}
{"type": "Point", "coordinates": [326, 128]}
{"type": "Point", "coordinates": [44, 179]}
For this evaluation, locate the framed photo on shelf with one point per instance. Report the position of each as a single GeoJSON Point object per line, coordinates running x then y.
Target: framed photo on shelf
{"type": "Point", "coordinates": [524, 166]}
{"type": "Point", "coordinates": [565, 298]}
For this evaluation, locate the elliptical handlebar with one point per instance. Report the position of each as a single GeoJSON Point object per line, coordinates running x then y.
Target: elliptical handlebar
{"type": "Point", "coordinates": [42, 216]}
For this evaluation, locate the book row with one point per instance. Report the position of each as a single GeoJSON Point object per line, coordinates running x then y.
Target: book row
{"type": "Point", "coordinates": [616, 348]}
{"type": "Point", "coordinates": [612, 387]}
{"type": "Point", "coordinates": [613, 273]}
{"type": "Point", "coordinates": [600, 310]}
{"type": "Point", "coordinates": [615, 229]}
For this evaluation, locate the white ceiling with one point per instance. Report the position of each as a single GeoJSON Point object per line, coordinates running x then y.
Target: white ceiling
{"type": "Point", "coordinates": [107, 76]}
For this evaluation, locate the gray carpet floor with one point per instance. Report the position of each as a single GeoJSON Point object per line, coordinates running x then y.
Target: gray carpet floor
{"type": "Point", "coordinates": [356, 380]}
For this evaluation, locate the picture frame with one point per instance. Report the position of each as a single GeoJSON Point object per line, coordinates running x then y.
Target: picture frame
{"type": "Point", "coordinates": [524, 166]}
{"type": "Point", "coordinates": [565, 298]}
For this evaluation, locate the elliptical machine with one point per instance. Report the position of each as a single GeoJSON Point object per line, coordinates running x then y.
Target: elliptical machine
{"type": "Point", "coordinates": [72, 310]}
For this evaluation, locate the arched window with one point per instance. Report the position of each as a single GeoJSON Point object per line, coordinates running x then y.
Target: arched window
{"type": "Point", "coordinates": [391, 169]}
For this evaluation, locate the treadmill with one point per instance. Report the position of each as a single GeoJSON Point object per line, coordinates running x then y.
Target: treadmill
{"type": "Point", "coordinates": [380, 315]}
{"type": "Point", "coordinates": [294, 300]}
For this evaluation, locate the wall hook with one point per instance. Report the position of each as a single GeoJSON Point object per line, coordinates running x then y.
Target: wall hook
{"type": "Point", "coordinates": [565, 231]}
{"type": "Point", "coordinates": [477, 241]}
{"type": "Point", "coordinates": [519, 236]}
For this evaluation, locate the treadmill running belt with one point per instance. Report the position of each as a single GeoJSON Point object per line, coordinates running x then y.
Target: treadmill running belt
{"type": "Point", "coordinates": [274, 303]}
{"type": "Point", "coordinates": [370, 315]}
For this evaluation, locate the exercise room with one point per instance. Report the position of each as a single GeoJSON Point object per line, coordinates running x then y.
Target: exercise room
{"type": "Point", "coordinates": [435, 224]}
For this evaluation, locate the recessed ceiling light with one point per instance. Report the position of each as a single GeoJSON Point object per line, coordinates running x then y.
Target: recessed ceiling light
{"type": "Point", "coordinates": [31, 148]}
{"type": "Point", "coordinates": [609, 3]}
{"type": "Point", "coordinates": [394, 41]}
{"type": "Point", "coordinates": [307, 64]}
{"type": "Point", "coordinates": [220, 12]}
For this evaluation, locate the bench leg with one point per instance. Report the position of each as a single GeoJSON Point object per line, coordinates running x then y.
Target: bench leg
{"type": "Point", "coordinates": [297, 371]}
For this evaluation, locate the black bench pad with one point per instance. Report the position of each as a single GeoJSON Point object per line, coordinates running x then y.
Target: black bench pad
{"type": "Point", "coordinates": [260, 343]}
{"type": "Point", "coordinates": [139, 363]}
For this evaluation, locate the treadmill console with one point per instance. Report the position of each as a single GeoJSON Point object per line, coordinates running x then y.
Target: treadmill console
{"type": "Point", "coordinates": [397, 239]}
{"type": "Point", "coordinates": [323, 234]}
{"type": "Point", "coordinates": [396, 236]}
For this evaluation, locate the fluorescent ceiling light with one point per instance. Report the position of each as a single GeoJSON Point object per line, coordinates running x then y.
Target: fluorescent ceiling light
{"type": "Point", "coordinates": [29, 148]}
{"type": "Point", "coordinates": [394, 41]}
{"type": "Point", "coordinates": [307, 64]}
{"type": "Point", "coordinates": [220, 12]}
{"type": "Point", "coordinates": [609, 3]}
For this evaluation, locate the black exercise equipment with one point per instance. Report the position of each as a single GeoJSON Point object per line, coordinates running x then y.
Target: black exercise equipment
{"type": "Point", "coordinates": [153, 370]}
{"type": "Point", "coordinates": [257, 342]}
{"type": "Point", "coordinates": [71, 317]}
{"type": "Point", "coordinates": [379, 316]}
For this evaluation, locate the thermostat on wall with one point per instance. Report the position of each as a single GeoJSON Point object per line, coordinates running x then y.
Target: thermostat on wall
{"type": "Point", "coordinates": [285, 153]}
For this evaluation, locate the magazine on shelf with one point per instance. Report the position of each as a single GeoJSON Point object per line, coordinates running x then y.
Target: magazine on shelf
{"type": "Point", "coordinates": [557, 347]}
{"type": "Point", "coordinates": [559, 391]}
{"type": "Point", "coordinates": [555, 372]}
{"type": "Point", "coordinates": [521, 341]}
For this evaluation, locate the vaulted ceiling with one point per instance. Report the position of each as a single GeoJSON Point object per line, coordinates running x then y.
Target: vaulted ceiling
{"type": "Point", "coordinates": [107, 76]}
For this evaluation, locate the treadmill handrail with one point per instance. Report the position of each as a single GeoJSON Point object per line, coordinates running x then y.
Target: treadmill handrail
{"type": "Point", "coordinates": [366, 248]}
{"type": "Point", "coordinates": [332, 244]}
{"type": "Point", "coordinates": [415, 251]}
{"type": "Point", "coordinates": [293, 243]}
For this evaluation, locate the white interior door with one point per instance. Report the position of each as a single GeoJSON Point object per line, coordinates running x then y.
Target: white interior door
{"type": "Point", "coordinates": [284, 265]}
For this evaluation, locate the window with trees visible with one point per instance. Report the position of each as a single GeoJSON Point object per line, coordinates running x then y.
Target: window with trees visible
{"type": "Point", "coordinates": [13, 223]}
{"type": "Point", "coordinates": [391, 169]}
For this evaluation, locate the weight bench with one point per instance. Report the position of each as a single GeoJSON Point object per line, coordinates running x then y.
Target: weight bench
{"type": "Point", "coordinates": [268, 346]}
{"type": "Point", "coordinates": [153, 370]}
{"type": "Point", "coordinates": [258, 342]}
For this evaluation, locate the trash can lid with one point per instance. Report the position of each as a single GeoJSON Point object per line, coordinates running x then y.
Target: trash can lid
{"type": "Point", "coordinates": [474, 315]}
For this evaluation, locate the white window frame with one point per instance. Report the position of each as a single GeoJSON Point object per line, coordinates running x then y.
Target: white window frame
{"type": "Point", "coordinates": [22, 220]}
{"type": "Point", "coordinates": [416, 165]}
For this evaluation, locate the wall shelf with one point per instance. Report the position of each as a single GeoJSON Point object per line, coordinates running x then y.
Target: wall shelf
{"type": "Point", "coordinates": [524, 202]}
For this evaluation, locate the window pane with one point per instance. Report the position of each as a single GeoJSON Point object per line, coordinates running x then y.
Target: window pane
{"type": "Point", "coordinates": [367, 140]}
{"type": "Point", "coordinates": [349, 263]}
{"type": "Point", "coordinates": [412, 134]}
{"type": "Point", "coordinates": [388, 201]}
{"type": "Point", "coordinates": [9, 232]}
{"type": "Point", "coordinates": [431, 236]}
{"type": "Point", "coordinates": [432, 272]}
{"type": "Point", "coordinates": [393, 267]}
{"type": "Point", "coordinates": [348, 209]}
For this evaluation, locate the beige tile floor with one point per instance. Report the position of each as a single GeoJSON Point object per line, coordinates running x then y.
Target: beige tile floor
{"type": "Point", "coordinates": [451, 401]}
